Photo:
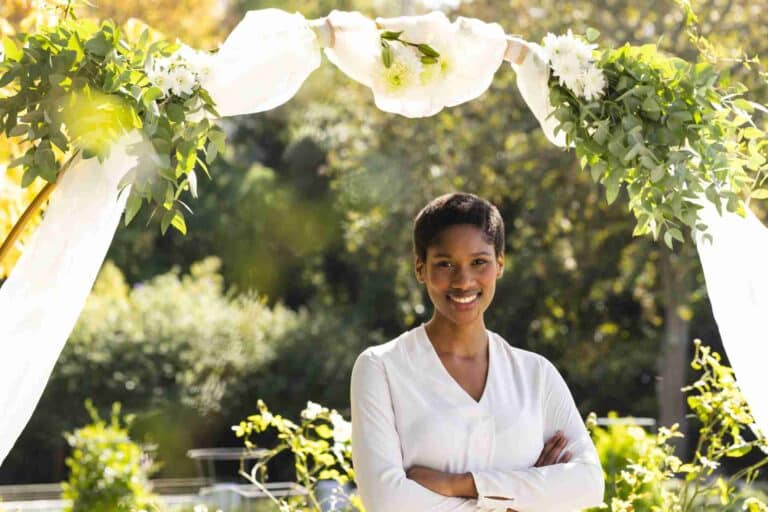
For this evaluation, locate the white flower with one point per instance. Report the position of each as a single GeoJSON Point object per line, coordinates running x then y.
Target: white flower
{"type": "Point", "coordinates": [342, 429]}
{"type": "Point", "coordinates": [312, 410]}
{"type": "Point", "coordinates": [404, 73]}
{"type": "Point", "coordinates": [198, 62]}
{"type": "Point", "coordinates": [569, 47]}
{"type": "Point", "coordinates": [470, 53]}
{"type": "Point", "coordinates": [571, 61]}
{"type": "Point", "coordinates": [182, 81]}
{"type": "Point", "coordinates": [570, 73]}
{"type": "Point", "coordinates": [594, 83]}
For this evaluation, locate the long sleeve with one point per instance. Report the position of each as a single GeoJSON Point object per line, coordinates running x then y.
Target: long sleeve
{"type": "Point", "coordinates": [572, 486]}
{"type": "Point", "coordinates": [376, 452]}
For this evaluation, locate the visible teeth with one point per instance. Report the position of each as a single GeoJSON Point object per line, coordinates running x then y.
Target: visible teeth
{"type": "Point", "coordinates": [464, 300]}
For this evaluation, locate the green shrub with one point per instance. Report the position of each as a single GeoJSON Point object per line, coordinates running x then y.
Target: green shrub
{"type": "Point", "coordinates": [189, 359]}
{"type": "Point", "coordinates": [108, 471]}
{"type": "Point", "coordinates": [321, 445]}
{"type": "Point", "coordinates": [655, 478]}
{"type": "Point", "coordinates": [618, 445]}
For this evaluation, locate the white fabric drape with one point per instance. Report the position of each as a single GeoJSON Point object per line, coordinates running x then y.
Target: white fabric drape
{"type": "Point", "coordinates": [471, 52]}
{"type": "Point", "coordinates": [734, 258]}
{"type": "Point", "coordinates": [533, 83]}
{"type": "Point", "coordinates": [263, 62]}
{"type": "Point", "coordinates": [43, 296]}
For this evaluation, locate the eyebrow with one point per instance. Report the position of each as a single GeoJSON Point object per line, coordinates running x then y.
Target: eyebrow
{"type": "Point", "coordinates": [446, 255]}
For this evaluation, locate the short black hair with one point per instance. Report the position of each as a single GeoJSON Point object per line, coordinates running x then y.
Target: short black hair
{"type": "Point", "coordinates": [453, 209]}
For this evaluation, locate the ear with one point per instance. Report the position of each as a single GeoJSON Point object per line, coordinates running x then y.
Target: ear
{"type": "Point", "coordinates": [418, 268]}
{"type": "Point", "coordinates": [499, 266]}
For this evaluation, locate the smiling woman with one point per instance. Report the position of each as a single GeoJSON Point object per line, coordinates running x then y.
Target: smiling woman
{"type": "Point", "coordinates": [449, 416]}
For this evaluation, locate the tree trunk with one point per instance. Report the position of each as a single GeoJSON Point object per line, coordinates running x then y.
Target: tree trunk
{"type": "Point", "coordinates": [675, 349]}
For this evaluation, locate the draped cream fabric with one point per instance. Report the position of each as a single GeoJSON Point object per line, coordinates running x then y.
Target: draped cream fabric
{"type": "Point", "coordinates": [43, 296]}
{"type": "Point", "coordinates": [733, 253]}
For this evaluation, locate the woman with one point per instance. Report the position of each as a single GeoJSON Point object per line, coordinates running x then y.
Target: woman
{"type": "Point", "coordinates": [448, 416]}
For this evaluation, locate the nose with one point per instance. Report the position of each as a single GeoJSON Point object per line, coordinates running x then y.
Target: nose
{"type": "Point", "coordinates": [462, 278]}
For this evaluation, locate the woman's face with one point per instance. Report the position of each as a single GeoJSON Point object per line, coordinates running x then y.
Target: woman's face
{"type": "Point", "coordinates": [460, 273]}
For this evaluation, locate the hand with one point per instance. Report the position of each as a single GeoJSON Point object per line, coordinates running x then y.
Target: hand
{"type": "Point", "coordinates": [434, 480]}
{"type": "Point", "coordinates": [550, 454]}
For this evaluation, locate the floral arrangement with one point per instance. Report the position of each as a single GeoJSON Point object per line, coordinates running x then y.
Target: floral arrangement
{"type": "Point", "coordinates": [670, 132]}
{"type": "Point", "coordinates": [73, 89]}
{"type": "Point", "coordinates": [321, 445]}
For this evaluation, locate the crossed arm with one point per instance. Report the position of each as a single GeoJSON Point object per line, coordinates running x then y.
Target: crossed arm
{"type": "Point", "coordinates": [560, 481]}
{"type": "Point", "coordinates": [462, 485]}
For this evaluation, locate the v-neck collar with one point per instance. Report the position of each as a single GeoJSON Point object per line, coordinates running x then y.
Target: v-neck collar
{"type": "Point", "coordinates": [442, 372]}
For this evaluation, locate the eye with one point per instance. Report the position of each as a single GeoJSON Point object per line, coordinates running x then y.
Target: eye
{"type": "Point", "coordinates": [479, 262]}
{"type": "Point", "coordinates": [445, 264]}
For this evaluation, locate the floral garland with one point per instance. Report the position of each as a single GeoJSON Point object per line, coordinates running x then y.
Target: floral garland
{"type": "Point", "coordinates": [665, 129]}
{"type": "Point", "coordinates": [75, 88]}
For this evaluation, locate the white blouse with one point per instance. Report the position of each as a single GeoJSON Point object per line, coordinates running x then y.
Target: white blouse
{"type": "Point", "coordinates": [407, 410]}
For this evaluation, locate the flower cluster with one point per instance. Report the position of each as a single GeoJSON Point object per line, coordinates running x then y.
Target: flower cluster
{"type": "Point", "coordinates": [408, 64]}
{"type": "Point", "coordinates": [342, 429]}
{"type": "Point", "coordinates": [572, 63]}
{"type": "Point", "coordinates": [181, 72]}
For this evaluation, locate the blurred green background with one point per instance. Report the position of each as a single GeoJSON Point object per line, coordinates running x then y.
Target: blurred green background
{"type": "Point", "coordinates": [298, 254]}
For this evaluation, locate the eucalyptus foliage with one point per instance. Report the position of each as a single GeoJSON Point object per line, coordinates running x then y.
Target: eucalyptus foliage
{"type": "Point", "coordinates": [669, 131]}
{"type": "Point", "coordinates": [74, 88]}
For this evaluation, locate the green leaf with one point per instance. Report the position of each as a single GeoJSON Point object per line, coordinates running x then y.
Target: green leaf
{"type": "Point", "coordinates": [132, 207]}
{"type": "Point", "coordinates": [210, 152]}
{"type": "Point", "coordinates": [324, 431]}
{"type": "Point", "coordinates": [597, 170]}
{"type": "Point", "coordinates": [759, 194]}
{"type": "Point", "coordinates": [657, 173]}
{"type": "Point", "coordinates": [98, 45]}
{"type": "Point", "coordinates": [178, 222]}
{"type": "Point", "coordinates": [18, 130]}
{"type": "Point", "coordinates": [428, 51]}
{"type": "Point", "coordinates": [12, 51]}
{"type": "Point", "coordinates": [391, 35]}
{"type": "Point", "coordinates": [165, 221]}
{"type": "Point", "coordinates": [386, 55]}
{"type": "Point", "coordinates": [752, 133]}
{"type": "Point", "coordinates": [676, 234]}
{"type": "Point", "coordinates": [175, 112]}
{"type": "Point", "coordinates": [151, 95]}
{"type": "Point", "coordinates": [668, 240]}
{"type": "Point", "coordinates": [219, 138]}
{"type": "Point", "coordinates": [28, 177]}
{"type": "Point", "coordinates": [612, 188]}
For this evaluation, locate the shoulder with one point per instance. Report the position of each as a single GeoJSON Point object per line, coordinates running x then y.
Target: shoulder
{"type": "Point", "coordinates": [530, 361]}
{"type": "Point", "coordinates": [394, 351]}
{"type": "Point", "coordinates": [526, 357]}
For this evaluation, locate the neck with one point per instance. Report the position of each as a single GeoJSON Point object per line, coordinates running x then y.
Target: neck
{"type": "Point", "coordinates": [465, 340]}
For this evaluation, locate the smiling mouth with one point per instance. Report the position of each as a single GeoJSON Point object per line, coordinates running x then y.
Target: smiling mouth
{"type": "Point", "coordinates": [464, 299]}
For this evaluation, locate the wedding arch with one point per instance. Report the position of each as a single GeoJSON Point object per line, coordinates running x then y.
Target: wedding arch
{"type": "Point", "coordinates": [112, 125]}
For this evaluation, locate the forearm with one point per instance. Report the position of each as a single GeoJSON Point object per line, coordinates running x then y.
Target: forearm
{"type": "Point", "coordinates": [569, 486]}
